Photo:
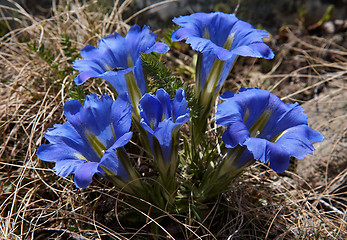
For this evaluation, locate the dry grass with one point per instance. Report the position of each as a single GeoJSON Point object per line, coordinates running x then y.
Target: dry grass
{"type": "Point", "coordinates": [36, 204]}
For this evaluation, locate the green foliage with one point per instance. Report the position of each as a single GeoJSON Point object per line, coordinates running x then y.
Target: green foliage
{"type": "Point", "coordinates": [70, 50]}
{"type": "Point", "coordinates": [195, 107]}
{"type": "Point", "coordinates": [78, 93]}
{"type": "Point", "coordinates": [43, 53]}
{"type": "Point", "coordinates": [51, 58]}
{"type": "Point", "coordinates": [222, 7]}
{"type": "Point", "coordinates": [3, 28]}
{"type": "Point", "coordinates": [58, 66]}
{"type": "Point", "coordinates": [160, 76]}
{"type": "Point", "coordinates": [167, 37]}
{"type": "Point", "coordinates": [327, 15]}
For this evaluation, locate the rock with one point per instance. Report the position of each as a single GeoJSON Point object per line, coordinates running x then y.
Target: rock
{"type": "Point", "coordinates": [329, 27]}
{"type": "Point", "coordinates": [267, 13]}
{"type": "Point", "coordinates": [327, 115]}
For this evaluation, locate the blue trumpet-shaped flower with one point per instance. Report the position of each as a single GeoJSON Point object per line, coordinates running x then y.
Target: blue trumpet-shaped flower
{"type": "Point", "coordinates": [86, 144]}
{"type": "Point", "coordinates": [219, 38]}
{"type": "Point", "coordinates": [271, 130]}
{"type": "Point", "coordinates": [117, 60]}
{"type": "Point", "coordinates": [162, 118]}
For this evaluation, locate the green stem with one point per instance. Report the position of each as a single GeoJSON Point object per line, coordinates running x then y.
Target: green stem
{"type": "Point", "coordinates": [167, 170]}
{"type": "Point", "coordinates": [134, 94]}
{"type": "Point", "coordinates": [218, 180]}
{"type": "Point", "coordinates": [124, 158]}
{"type": "Point", "coordinates": [206, 97]}
{"type": "Point", "coordinates": [143, 135]}
{"type": "Point", "coordinates": [198, 73]}
{"type": "Point", "coordinates": [117, 181]}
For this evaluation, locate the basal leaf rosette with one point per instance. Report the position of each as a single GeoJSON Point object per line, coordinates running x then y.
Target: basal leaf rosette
{"type": "Point", "coordinates": [219, 38]}
{"type": "Point", "coordinates": [270, 129]}
{"type": "Point", "coordinates": [86, 143]}
{"type": "Point", "coordinates": [117, 59]}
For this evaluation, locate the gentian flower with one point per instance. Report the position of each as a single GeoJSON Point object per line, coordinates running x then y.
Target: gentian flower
{"type": "Point", "coordinates": [162, 118]}
{"type": "Point", "coordinates": [219, 38]}
{"type": "Point", "coordinates": [269, 129]}
{"type": "Point", "coordinates": [86, 144]}
{"type": "Point", "coordinates": [117, 60]}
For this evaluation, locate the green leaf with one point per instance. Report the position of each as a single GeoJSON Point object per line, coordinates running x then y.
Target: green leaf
{"type": "Point", "coordinates": [78, 93]}
{"type": "Point", "coordinates": [159, 75]}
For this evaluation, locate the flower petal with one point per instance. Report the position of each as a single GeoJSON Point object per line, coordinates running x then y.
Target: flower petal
{"type": "Point", "coordinates": [122, 140]}
{"type": "Point", "coordinates": [297, 140]}
{"type": "Point", "coordinates": [180, 112]}
{"type": "Point", "coordinates": [53, 153]}
{"type": "Point", "coordinates": [235, 135]}
{"type": "Point", "coordinates": [113, 164]}
{"type": "Point", "coordinates": [158, 47]}
{"type": "Point", "coordinates": [66, 142]}
{"type": "Point", "coordinates": [66, 167]}
{"type": "Point", "coordinates": [121, 116]}
{"type": "Point", "coordinates": [117, 80]}
{"type": "Point", "coordinates": [265, 151]}
{"type": "Point", "coordinates": [151, 111]}
{"type": "Point", "coordinates": [84, 173]}
{"type": "Point", "coordinates": [165, 102]}
{"type": "Point", "coordinates": [228, 112]}
{"type": "Point", "coordinates": [112, 48]}
{"type": "Point", "coordinates": [84, 76]}
{"type": "Point", "coordinates": [164, 133]}
{"type": "Point", "coordinates": [89, 68]}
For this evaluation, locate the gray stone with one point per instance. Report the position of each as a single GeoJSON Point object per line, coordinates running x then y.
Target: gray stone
{"type": "Point", "coordinates": [268, 13]}
{"type": "Point", "coordinates": [327, 115]}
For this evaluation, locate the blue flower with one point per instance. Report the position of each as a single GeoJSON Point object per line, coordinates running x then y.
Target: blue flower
{"type": "Point", "coordinates": [162, 118]}
{"type": "Point", "coordinates": [86, 144]}
{"type": "Point", "coordinates": [117, 60]}
{"type": "Point", "coordinates": [219, 38]}
{"type": "Point", "coordinates": [270, 129]}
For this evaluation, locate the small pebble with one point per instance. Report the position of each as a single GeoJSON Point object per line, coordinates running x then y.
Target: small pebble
{"type": "Point", "coordinates": [329, 27]}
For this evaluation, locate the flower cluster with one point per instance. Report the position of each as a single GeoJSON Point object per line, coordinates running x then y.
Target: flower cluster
{"type": "Point", "coordinates": [259, 126]}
